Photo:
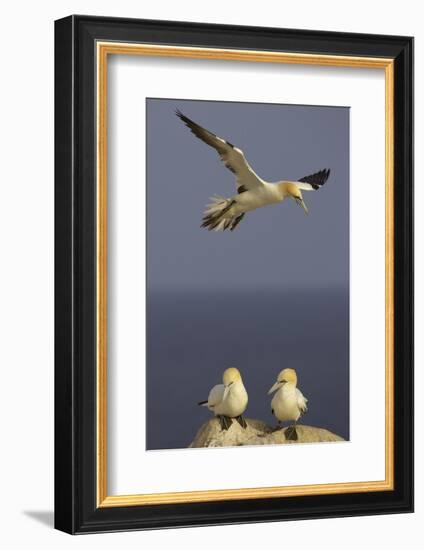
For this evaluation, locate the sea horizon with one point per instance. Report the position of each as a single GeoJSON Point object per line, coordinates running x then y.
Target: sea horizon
{"type": "Point", "coordinates": [194, 334]}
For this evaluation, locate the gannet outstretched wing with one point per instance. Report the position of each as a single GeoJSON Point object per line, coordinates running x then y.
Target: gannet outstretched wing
{"type": "Point", "coordinates": [231, 156]}
{"type": "Point", "coordinates": [314, 181]}
{"type": "Point", "coordinates": [252, 191]}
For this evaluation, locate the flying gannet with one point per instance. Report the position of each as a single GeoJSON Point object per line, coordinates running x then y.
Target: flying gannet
{"type": "Point", "coordinates": [228, 400]}
{"type": "Point", "coordinates": [288, 403]}
{"type": "Point", "coordinates": [252, 191]}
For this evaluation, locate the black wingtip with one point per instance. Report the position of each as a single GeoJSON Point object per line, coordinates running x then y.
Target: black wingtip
{"type": "Point", "coordinates": [182, 117]}
{"type": "Point", "coordinates": [325, 175]}
{"type": "Point", "coordinates": [317, 179]}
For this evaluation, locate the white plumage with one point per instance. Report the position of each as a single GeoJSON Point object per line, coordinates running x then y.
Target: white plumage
{"type": "Point", "coordinates": [228, 399]}
{"type": "Point", "coordinates": [288, 403]}
{"type": "Point", "coordinates": [252, 191]}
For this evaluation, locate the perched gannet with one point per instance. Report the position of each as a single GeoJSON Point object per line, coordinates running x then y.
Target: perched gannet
{"type": "Point", "coordinates": [228, 400]}
{"type": "Point", "coordinates": [288, 403]}
{"type": "Point", "coordinates": [252, 191]}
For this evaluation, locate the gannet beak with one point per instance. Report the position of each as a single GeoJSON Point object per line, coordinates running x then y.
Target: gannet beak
{"type": "Point", "coordinates": [274, 388]}
{"type": "Point", "coordinates": [226, 390]}
{"type": "Point", "coordinates": [303, 205]}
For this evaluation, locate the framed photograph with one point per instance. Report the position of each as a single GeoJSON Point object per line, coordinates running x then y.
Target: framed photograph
{"type": "Point", "coordinates": [234, 274]}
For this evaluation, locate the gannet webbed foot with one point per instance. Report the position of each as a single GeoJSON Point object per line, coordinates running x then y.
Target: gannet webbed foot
{"type": "Point", "coordinates": [291, 433]}
{"type": "Point", "coordinates": [225, 422]}
{"type": "Point", "coordinates": [240, 419]}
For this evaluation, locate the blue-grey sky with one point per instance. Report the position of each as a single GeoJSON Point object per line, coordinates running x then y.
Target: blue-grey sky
{"type": "Point", "coordinates": [277, 246]}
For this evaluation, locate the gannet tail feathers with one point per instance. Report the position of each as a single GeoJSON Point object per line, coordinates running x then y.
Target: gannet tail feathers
{"type": "Point", "coordinates": [216, 215]}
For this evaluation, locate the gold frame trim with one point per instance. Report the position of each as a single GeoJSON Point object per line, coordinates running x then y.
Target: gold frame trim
{"type": "Point", "coordinates": [104, 49]}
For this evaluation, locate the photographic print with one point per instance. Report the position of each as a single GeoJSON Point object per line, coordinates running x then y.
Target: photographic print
{"type": "Point", "coordinates": [248, 273]}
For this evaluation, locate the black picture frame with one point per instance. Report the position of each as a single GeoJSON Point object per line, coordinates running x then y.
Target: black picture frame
{"type": "Point", "coordinates": [76, 510]}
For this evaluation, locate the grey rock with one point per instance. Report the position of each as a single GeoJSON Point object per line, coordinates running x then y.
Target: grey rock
{"type": "Point", "coordinates": [257, 433]}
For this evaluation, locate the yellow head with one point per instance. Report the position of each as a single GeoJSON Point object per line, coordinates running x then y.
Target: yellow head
{"type": "Point", "coordinates": [285, 376]}
{"type": "Point", "coordinates": [231, 375]}
{"type": "Point", "coordinates": [293, 191]}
